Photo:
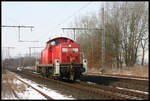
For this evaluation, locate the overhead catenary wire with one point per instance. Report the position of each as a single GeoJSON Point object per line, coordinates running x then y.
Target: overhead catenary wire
{"type": "Point", "coordinates": [19, 27]}
{"type": "Point", "coordinates": [65, 20]}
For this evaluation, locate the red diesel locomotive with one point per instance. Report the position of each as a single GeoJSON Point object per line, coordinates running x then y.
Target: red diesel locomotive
{"type": "Point", "coordinates": [61, 59]}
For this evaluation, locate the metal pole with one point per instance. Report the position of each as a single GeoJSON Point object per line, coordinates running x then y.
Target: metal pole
{"type": "Point", "coordinates": [31, 48]}
{"type": "Point", "coordinates": [74, 29]}
{"type": "Point", "coordinates": [30, 51]}
{"type": "Point", "coordinates": [103, 43]}
{"type": "Point", "coordinates": [8, 53]}
{"type": "Point", "coordinates": [74, 34]}
{"type": "Point", "coordinates": [19, 33]}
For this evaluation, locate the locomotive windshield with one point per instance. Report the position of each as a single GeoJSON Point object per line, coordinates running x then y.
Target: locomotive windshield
{"type": "Point", "coordinates": [52, 43]}
{"type": "Point", "coordinates": [64, 41]}
{"type": "Point", "coordinates": [57, 42]}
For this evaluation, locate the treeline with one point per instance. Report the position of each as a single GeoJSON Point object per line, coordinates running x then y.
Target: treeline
{"type": "Point", "coordinates": [125, 27]}
{"type": "Point", "coordinates": [21, 61]}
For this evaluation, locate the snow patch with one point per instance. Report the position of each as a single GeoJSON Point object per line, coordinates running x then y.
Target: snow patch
{"type": "Point", "coordinates": [132, 90]}
{"type": "Point", "coordinates": [30, 93]}
{"type": "Point", "coordinates": [9, 98]}
{"type": "Point", "coordinates": [125, 77]}
{"type": "Point", "coordinates": [52, 93]}
{"type": "Point", "coordinates": [91, 82]}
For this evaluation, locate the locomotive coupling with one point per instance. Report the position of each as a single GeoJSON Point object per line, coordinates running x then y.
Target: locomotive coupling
{"type": "Point", "coordinates": [71, 69]}
{"type": "Point", "coordinates": [72, 60]}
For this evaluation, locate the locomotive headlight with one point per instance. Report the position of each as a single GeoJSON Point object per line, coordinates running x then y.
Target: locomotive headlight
{"type": "Point", "coordinates": [64, 49]}
{"type": "Point", "coordinates": [75, 49]}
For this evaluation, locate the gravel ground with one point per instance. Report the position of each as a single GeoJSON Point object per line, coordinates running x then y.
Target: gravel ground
{"type": "Point", "coordinates": [7, 86]}
{"type": "Point", "coordinates": [12, 88]}
{"type": "Point", "coordinates": [65, 90]}
{"type": "Point", "coordinates": [112, 81]}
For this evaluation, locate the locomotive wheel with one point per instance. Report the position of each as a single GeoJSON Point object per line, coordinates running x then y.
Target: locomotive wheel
{"type": "Point", "coordinates": [55, 78]}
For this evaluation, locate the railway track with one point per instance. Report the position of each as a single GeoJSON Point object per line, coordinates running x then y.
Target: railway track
{"type": "Point", "coordinates": [141, 85]}
{"type": "Point", "coordinates": [104, 91]}
{"type": "Point", "coordinates": [126, 79]}
{"type": "Point", "coordinates": [119, 75]}
{"type": "Point", "coordinates": [117, 91]}
{"type": "Point", "coordinates": [81, 87]}
{"type": "Point", "coordinates": [133, 86]}
{"type": "Point", "coordinates": [45, 95]}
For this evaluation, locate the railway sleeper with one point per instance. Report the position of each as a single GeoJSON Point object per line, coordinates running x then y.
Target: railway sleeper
{"type": "Point", "coordinates": [141, 95]}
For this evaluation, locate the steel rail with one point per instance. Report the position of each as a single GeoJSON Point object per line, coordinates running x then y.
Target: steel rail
{"type": "Point", "coordinates": [135, 94]}
{"type": "Point", "coordinates": [87, 89]}
{"type": "Point", "coordinates": [96, 91]}
{"type": "Point", "coordinates": [120, 75]}
{"type": "Point", "coordinates": [48, 97]}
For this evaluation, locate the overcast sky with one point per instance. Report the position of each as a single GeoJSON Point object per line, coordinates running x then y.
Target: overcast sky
{"type": "Point", "coordinates": [47, 18]}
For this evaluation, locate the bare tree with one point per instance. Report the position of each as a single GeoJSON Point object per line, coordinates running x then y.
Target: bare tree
{"type": "Point", "coordinates": [133, 28]}
{"type": "Point", "coordinates": [143, 44]}
{"type": "Point", "coordinates": [126, 25]}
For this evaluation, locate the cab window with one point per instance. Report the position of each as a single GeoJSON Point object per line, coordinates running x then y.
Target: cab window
{"type": "Point", "coordinates": [53, 43]}
{"type": "Point", "coordinates": [64, 41]}
{"type": "Point", "coordinates": [57, 42]}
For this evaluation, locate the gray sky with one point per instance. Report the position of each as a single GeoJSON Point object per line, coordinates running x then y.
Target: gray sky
{"type": "Point", "coordinates": [47, 17]}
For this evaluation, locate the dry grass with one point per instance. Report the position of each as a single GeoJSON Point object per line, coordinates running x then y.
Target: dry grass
{"type": "Point", "coordinates": [142, 71]}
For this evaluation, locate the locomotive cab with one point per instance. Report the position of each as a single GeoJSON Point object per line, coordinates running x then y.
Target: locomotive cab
{"type": "Point", "coordinates": [62, 59]}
